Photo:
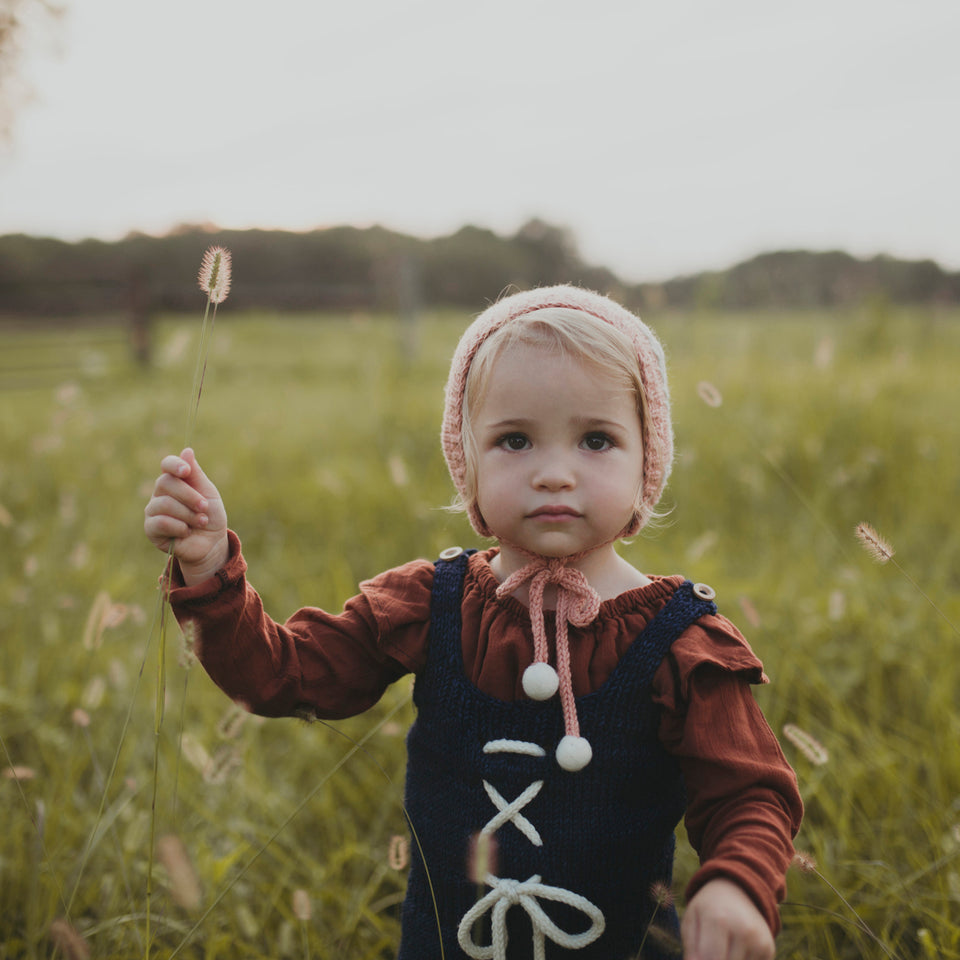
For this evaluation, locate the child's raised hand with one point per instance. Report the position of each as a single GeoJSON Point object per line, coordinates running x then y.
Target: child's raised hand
{"type": "Point", "coordinates": [722, 923]}
{"type": "Point", "coordinates": [186, 509]}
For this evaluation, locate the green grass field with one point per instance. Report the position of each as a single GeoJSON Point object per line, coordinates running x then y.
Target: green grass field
{"type": "Point", "coordinates": [322, 434]}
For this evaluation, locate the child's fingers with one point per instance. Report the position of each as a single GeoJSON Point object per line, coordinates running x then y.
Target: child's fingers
{"type": "Point", "coordinates": [191, 514]}
{"type": "Point", "coordinates": [175, 466]}
{"type": "Point", "coordinates": [170, 490]}
{"type": "Point", "coordinates": [162, 529]}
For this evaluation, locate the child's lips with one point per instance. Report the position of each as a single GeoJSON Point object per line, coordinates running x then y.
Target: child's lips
{"type": "Point", "coordinates": [554, 512]}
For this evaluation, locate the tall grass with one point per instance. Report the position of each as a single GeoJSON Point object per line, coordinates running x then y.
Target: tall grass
{"type": "Point", "coordinates": [322, 436]}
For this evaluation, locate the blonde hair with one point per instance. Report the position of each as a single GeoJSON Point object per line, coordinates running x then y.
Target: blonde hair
{"type": "Point", "coordinates": [567, 333]}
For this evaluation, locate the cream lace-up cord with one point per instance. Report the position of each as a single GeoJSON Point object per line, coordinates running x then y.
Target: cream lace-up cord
{"type": "Point", "coordinates": [506, 893]}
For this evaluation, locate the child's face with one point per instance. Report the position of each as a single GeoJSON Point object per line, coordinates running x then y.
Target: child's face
{"type": "Point", "coordinates": [559, 453]}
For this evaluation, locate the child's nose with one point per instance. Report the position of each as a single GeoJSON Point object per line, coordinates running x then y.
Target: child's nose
{"type": "Point", "coordinates": [554, 473]}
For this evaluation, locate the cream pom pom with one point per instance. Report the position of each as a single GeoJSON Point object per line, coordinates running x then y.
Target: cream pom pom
{"type": "Point", "coordinates": [574, 753]}
{"type": "Point", "coordinates": [540, 681]}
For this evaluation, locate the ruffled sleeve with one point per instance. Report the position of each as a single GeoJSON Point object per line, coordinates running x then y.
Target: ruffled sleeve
{"type": "Point", "coordinates": [744, 807]}
{"type": "Point", "coordinates": [327, 665]}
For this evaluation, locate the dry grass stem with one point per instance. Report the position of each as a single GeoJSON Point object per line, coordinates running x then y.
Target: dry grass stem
{"type": "Point", "coordinates": [882, 552]}
{"type": "Point", "coordinates": [805, 863]}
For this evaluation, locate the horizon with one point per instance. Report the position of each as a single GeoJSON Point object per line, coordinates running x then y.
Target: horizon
{"type": "Point", "coordinates": [213, 230]}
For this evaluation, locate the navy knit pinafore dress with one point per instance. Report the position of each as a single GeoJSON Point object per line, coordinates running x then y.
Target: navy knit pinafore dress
{"type": "Point", "coordinates": [576, 853]}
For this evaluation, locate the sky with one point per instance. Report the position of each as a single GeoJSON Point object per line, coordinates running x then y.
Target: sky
{"type": "Point", "coordinates": [669, 137]}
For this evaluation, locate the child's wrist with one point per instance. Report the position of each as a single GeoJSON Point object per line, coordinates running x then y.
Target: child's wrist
{"type": "Point", "coordinates": [194, 573]}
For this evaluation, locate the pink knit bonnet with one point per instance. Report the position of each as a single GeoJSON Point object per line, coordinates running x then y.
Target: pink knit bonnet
{"type": "Point", "coordinates": [657, 454]}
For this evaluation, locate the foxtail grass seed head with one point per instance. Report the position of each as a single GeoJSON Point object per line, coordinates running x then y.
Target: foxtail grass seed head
{"type": "Point", "coordinates": [96, 621]}
{"type": "Point", "coordinates": [67, 939]}
{"type": "Point", "coordinates": [194, 752]}
{"type": "Point", "coordinates": [709, 394]}
{"type": "Point", "coordinates": [482, 857]}
{"type": "Point", "coordinates": [809, 746]}
{"type": "Point", "coordinates": [804, 862]}
{"type": "Point", "coordinates": [188, 640]}
{"type": "Point", "coordinates": [302, 907]}
{"type": "Point", "coordinates": [823, 355]}
{"type": "Point", "coordinates": [836, 605]}
{"type": "Point", "coordinates": [231, 723]}
{"type": "Point", "coordinates": [184, 885]}
{"type": "Point", "coordinates": [117, 672]}
{"type": "Point", "coordinates": [661, 895]}
{"type": "Point", "coordinates": [398, 853]}
{"type": "Point", "coordinates": [214, 276]}
{"type": "Point", "coordinates": [79, 556]}
{"type": "Point", "coordinates": [398, 471]}
{"type": "Point", "coordinates": [930, 949]}
{"type": "Point", "coordinates": [873, 543]}
{"type": "Point", "coordinates": [223, 765]}
{"type": "Point", "coordinates": [19, 773]}
{"type": "Point", "coordinates": [94, 692]}
{"type": "Point", "coordinates": [750, 612]}
{"type": "Point", "coordinates": [80, 717]}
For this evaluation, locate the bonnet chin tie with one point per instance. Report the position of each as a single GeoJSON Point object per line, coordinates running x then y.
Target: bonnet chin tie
{"type": "Point", "coordinates": [577, 603]}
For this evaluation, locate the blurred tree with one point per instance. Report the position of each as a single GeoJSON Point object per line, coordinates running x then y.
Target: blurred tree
{"type": "Point", "coordinates": [550, 253]}
{"type": "Point", "coordinates": [19, 19]}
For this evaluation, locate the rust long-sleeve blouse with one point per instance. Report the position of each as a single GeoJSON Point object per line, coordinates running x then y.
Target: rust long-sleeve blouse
{"type": "Point", "coordinates": [743, 804]}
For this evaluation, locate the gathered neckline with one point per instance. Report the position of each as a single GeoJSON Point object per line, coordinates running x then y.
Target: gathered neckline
{"type": "Point", "coordinates": [649, 597]}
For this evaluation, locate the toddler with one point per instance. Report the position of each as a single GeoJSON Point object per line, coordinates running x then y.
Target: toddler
{"type": "Point", "coordinates": [570, 708]}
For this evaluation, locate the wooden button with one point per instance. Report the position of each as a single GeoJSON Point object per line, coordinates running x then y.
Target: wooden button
{"type": "Point", "coordinates": [704, 591]}
{"type": "Point", "coordinates": [451, 553]}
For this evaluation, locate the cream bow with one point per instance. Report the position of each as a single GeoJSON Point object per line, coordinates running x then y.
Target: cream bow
{"type": "Point", "coordinates": [506, 893]}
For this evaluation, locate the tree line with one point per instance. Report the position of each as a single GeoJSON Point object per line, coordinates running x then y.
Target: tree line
{"type": "Point", "coordinates": [374, 268]}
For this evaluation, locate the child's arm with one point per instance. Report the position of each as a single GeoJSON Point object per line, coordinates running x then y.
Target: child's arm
{"type": "Point", "coordinates": [743, 806]}
{"type": "Point", "coordinates": [722, 923]}
{"type": "Point", "coordinates": [327, 665]}
{"type": "Point", "coordinates": [186, 509]}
